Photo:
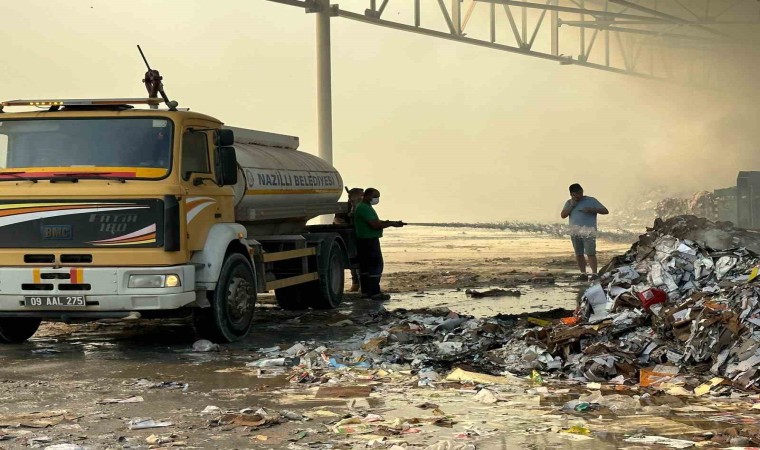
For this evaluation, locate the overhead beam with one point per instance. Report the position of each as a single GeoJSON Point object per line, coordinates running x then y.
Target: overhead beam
{"type": "Point", "coordinates": [595, 26]}
{"type": "Point", "coordinates": [660, 23]}
{"type": "Point", "coordinates": [309, 5]}
{"type": "Point", "coordinates": [676, 19]}
{"type": "Point", "coordinates": [568, 9]}
{"type": "Point", "coordinates": [624, 20]}
{"type": "Point", "coordinates": [480, 43]}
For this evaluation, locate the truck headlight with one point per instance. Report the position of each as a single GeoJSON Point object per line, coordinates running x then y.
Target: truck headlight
{"type": "Point", "coordinates": [172, 281]}
{"type": "Point", "coordinates": [154, 281]}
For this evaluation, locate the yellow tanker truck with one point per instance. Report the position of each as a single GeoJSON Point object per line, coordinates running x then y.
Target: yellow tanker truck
{"type": "Point", "coordinates": [115, 208]}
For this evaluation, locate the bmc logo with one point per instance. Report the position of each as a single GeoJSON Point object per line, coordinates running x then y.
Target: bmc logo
{"type": "Point", "coordinates": [56, 232]}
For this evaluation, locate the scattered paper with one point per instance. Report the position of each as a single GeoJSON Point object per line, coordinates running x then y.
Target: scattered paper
{"type": "Point", "coordinates": [703, 389]}
{"type": "Point", "coordinates": [108, 401]}
{"type": "Point", "coordinates": [142, 424]}
{"type": "Point", "coordinates": [485, 396]}
{"type": "Point", "coordinates": [659, 440]}
{"type": "Point", "coordinates": [462, 375]}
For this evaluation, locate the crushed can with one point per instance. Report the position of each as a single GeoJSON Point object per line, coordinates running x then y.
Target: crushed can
{"type": "Point", "coordinates": [652, 296]}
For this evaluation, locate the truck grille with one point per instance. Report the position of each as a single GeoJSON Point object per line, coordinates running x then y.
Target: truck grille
{"type": "Point", "coordinates": [39, 259]}
{"type": "Point", "coordinates": [78, 259]}
{"type": "Point", "coordinates": [55, 276]}
{"type": "Point", "coordinates": [64, 259]}
{"type": "Point", "coordinates": [74, 287]}
{"type": "Point", "coordinates": [37, 287]}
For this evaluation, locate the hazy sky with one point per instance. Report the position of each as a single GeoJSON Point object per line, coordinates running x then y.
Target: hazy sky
{"type": "Point", "coordinates": [446, 131]}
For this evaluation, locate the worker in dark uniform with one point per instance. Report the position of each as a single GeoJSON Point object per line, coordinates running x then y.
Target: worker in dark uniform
{"type": "Point", "coordinates": [369, 230]}
{"type": "Point", "coordinates": [347, 218]}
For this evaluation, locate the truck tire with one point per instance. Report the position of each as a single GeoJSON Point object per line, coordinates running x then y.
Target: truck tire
{"type": "Point", "coordinates": [230, 316]}
{"type": "Point", "coordinates": [291, 298]}
{"type": "Point", "coordinates": [15, 330]}
{"type": "Point", "coordinates": [327, 292]}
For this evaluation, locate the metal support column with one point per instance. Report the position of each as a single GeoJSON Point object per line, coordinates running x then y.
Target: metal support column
{"type": "Point", "coordinates": [456, 16]}
{"type": "Point", "coordinates": [324, 88]}
{"type": "Point", "coordinates": [555, 29]}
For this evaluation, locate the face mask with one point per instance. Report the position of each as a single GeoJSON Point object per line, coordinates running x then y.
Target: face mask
{"type": "Point", "coordinates": [374, 201]}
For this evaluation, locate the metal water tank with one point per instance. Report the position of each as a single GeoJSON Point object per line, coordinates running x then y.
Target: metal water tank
{"type": "Point", "coordinates": [279, 184]}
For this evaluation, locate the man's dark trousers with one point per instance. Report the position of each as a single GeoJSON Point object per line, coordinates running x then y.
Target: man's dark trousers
{"type": "Point", "coordinates": [370, 265]}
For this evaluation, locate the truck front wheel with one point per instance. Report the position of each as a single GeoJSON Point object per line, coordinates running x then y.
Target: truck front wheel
{"type": "Point", "coordinates": [15, 330]}
{"type": "Point", "coordinates": [232, 304]}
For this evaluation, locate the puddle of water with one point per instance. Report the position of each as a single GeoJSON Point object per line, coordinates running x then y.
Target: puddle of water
{"type": "Point", "coordinates": [533, 299]}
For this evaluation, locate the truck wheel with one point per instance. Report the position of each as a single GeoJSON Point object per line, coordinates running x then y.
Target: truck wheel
{"type": "Point", "coordinates": [291, 298]}
{"type": "Point", "coordinates": [327, 292]}
{"type": "Point", "coordinates": [231, 313]}
{"type": "Point", "coordinates": [16, 330]}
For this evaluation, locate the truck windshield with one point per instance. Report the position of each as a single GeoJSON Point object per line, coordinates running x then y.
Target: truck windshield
{"type": "Point", "coordinates": [123, 147]}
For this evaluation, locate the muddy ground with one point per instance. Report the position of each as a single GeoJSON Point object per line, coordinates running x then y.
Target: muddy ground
{"type": "Point", "coordinates": [67, 373]}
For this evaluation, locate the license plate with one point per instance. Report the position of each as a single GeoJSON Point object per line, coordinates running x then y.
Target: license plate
{"type": "Point", "coordinates": [47, 301]}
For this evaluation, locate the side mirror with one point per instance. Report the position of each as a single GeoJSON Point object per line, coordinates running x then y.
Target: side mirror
{"type": "Point", "coordinates": [225, 138]}
{"type": "Point", "coordinates": [226, 167]}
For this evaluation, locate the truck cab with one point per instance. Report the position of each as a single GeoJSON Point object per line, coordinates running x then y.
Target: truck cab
{"type": "Point", "coordinates": [107, 210]}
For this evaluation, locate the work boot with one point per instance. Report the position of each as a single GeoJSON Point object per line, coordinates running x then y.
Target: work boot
{"type": "Point", "coordinates": [354, 288]}
{"type": "Point", "coordinates": [582, 277]}
{"type": "Point", "coordinates": [381, 297]}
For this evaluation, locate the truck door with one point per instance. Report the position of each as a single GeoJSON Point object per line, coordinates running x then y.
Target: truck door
{"type": "Point", "coordinates": [205, 202]}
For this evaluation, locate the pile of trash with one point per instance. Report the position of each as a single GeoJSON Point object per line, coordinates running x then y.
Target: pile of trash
{"type": "Point", "coordinates": [427, 342]}
{"type": "Point", "coordinates": [682, 306]}
{"type": "Point", "coordinates": [671, 305]}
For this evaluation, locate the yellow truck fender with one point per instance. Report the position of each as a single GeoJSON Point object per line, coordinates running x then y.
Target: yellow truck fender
{"type": "Point", "coordinates": [208, 262]}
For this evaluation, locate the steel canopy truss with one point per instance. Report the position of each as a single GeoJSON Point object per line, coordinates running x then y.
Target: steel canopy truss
{"type": "Point", "coordinates": [695, 42]}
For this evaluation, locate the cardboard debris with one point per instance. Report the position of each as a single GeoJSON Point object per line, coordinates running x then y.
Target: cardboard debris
{"type": "Point", "coordinates": [471, 377]}
{"type": "Point", "coordinates": [649, 376]}
{"type": "Point", "coordinates": [343, 391]}
{"type": "Point", "coordinates": [703, 389]}
{"type": "Point", "coordinates": [41, 419]}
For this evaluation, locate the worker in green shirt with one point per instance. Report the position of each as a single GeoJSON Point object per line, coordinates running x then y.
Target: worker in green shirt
{"type": "Point", "coordinates": [369, 230]}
